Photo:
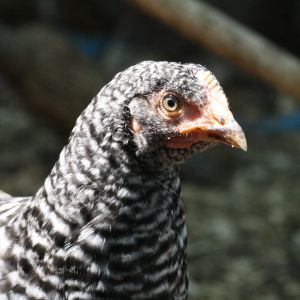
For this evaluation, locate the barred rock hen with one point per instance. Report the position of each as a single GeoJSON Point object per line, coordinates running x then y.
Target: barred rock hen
{"type": "Point", "coordinates": [108, 223]}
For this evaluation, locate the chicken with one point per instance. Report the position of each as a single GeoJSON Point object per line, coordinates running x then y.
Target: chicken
{"type": "Point", "coordinates": [109, 222]}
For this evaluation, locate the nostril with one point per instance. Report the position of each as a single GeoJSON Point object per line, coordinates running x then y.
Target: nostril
{"type": "Point", "coordinates": [220, 120]}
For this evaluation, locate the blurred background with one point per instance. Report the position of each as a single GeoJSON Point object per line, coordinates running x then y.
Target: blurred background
{"type": "Point", "coordinates": [243, 208]}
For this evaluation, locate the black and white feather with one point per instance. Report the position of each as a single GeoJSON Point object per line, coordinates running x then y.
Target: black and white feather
{"type": "Point", "coordinates": [108, 223]}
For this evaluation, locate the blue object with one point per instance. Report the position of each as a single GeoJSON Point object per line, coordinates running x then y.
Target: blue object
{"type": "Point", "coordinates": [91, 45]}
{"type": "Point", "coordinates": [290, 122]}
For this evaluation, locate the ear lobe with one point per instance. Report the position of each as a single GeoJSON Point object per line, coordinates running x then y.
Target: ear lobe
{"type": "Point", "coordinates": [135, 126]}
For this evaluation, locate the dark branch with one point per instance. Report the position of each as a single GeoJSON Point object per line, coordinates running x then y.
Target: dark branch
{"type": "Point", "coordinates": [252, 52]}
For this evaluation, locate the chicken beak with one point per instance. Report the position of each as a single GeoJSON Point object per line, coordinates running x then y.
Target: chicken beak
{"type": "Point", "coordinates": [230, 134]}
{"type": "Point", "coordinates": [217, 125]}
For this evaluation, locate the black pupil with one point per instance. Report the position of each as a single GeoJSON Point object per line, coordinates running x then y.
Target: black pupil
{"type": "Point", "coordinates": [172, 101]}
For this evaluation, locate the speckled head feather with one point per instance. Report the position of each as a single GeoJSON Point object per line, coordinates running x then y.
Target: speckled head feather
{"type": "Point", "coordinates": [129, 95]}
{"type": "Point", "coordinates": [108, 223]}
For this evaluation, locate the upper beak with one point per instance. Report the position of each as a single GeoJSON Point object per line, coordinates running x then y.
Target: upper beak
{"type": "Point", "coordinates": [215, 124]}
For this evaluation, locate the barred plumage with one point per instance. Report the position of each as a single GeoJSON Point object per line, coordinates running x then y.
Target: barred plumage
{"type": "Point", "coordinates": [108, 223]}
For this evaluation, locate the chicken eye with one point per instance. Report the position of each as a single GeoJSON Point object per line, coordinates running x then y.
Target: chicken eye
{"type": "Point", "coordinates": [171, 103]}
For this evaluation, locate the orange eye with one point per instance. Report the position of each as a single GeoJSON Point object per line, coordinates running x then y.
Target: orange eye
{"type": "Point", "coordinates": [171, 105]}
